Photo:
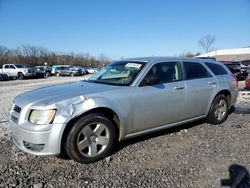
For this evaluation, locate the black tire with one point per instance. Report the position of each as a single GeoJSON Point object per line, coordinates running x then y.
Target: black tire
{"type": "Point", "coordinates": [76, 136]}
{"type": "Point", "coordinates": [20, 76]}
{"type": "Point", "coordinates": [218, 112]}
{"type": "Point", "coordinates": [6, 78]}
{"type": "Point", "coordinates": [58, 74]}
{"type": "Point", "coordinates": [46, 75]}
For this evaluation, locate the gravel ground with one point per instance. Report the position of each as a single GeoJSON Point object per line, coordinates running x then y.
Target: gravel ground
{"type": "Point", "coordinates": [193, 155]}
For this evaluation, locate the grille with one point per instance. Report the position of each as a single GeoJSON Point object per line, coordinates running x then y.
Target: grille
{"type": "Point", "coordinates": [17, 109]}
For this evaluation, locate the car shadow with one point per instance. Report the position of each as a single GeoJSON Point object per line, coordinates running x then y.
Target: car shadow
{"type": "Point", "coordinates": [120, 145]}
{"type": "Point", "coordinates": [238, 177]}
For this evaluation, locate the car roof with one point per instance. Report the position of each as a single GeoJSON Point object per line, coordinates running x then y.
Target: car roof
{"type": "Point", "coordinates": [160, 58]}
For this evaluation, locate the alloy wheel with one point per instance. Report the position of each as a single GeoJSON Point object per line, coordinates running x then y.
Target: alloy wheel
{"type": "Point", "coordinates": [93, 139]}
{"type": "Point", "coordinates": [220, 109]}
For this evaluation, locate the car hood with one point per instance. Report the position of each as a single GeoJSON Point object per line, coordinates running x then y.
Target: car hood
{"type": "Point", "coordinates": [52, 94]}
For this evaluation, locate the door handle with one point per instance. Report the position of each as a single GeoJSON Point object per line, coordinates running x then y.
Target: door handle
{"type": "Point", "coordinates": [212, 83]}
{"type": "Point", "coordinates": [179, 87]}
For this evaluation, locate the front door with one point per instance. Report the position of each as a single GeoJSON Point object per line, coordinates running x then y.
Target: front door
{"type": "Point", "coordinates": [161, 103]}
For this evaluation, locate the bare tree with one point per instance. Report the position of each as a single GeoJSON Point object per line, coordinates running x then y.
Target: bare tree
{"type": "Point", "coordinates": [35, 55]}
{"type": "Point", "coordinates": [207, 42]}
{"type": "Point", "coordinates": [103, 60]}
{"type": "Point", "coordinates": [188, 54]}
{"type": "Point", "coordinates": [3, 50]}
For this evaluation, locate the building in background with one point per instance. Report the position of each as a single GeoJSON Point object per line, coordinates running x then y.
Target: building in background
{"type": "Point", "coordinates": [229, 55]}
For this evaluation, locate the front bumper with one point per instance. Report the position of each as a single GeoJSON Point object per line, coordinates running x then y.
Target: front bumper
{"type": "Point", "coordinates": [46, 142]}
{"type": "Point", "coordinates": [29, 74]}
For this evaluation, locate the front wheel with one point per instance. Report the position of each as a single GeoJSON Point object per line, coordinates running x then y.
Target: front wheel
{"type": "Point", "coordinates": [20, 76]}
{"type": "Point", "coordinates": [91, 138]}
{"type": "Point", "coordinates": [46, 75]}
{"type": "Point", "coordinates": [218, 111]}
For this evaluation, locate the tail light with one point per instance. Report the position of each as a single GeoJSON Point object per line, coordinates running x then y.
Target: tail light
{"type": "Point", "coordinates": [247, 83]}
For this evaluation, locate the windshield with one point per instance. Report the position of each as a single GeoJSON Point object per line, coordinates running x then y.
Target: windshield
{"type": "Point", "coordinates": [120, 73]}
{"type": "Point", "coordinates": [41, 68]}
{"type": "Point", "coordinates": [20, 66]}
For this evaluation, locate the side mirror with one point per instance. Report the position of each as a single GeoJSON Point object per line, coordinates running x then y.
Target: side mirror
{"type": "Point", "coordinates": [151, 80]}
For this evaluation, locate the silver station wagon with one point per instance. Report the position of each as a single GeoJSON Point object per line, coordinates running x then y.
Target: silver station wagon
{"type": "Point", "coordinates": [127, 98]}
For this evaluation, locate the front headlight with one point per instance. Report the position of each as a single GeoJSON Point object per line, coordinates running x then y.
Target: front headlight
{"type": "Point", "coordinates": [42, 117]}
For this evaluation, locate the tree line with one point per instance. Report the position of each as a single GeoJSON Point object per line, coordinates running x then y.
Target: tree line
{"type": "Point", "coordinates": [34, 55]}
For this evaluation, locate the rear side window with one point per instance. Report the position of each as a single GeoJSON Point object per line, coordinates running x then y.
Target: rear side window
{"type": "Point", "coordinates": [12, 67]}
{"type": "Point", "coordinates": [216, 69]}
{"type": "Point", "coordinates": [195, 71]}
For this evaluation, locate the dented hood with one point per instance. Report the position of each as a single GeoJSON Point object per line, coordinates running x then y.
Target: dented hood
{"type": "Point", "coordinates": [53, 94]}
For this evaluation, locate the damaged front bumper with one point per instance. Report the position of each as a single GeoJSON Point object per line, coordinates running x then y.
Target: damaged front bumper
{"type": "Point", "coordinates": [46, 142]}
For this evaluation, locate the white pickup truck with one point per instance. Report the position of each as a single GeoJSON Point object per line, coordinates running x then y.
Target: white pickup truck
{"type": "Point", "coordinates": [17, 71]}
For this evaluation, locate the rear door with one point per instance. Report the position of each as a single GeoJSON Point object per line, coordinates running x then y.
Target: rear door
{"type": "Point", "coordinates": [200, 87]}
{"type": "Point", "coordinates": [7, 70]}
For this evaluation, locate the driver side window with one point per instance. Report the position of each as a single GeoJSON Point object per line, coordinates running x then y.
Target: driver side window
{"type": "Point", "coordinates": [162, 73]}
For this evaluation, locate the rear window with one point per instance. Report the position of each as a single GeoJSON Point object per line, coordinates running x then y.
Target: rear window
{"type": "Point", "coordinates": [20, 66]}
{"type": "Point", "coordinates": [216, 69]}
{"type": "Point", "coordinates": [195, 71]}
{"type": "Point", "coordinates": [246, 63]}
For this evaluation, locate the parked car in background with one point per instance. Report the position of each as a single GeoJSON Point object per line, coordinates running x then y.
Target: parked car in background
{"type": "Point", "coordinates": [245, 65]}
{"type": "Point", "coordinates": [3, 77]}
{"type": "Point", "coordinates": [81, 69]}
{"type": "Point", "coordinates": [17, 71]}
{"type": "Point", "coordinates": [238, 70]}
{"type": "Point", "coordinates": [84, 71]}
{"type": "Point", "coordinates": [43, 71]}
{"type": "Point", "coordinates": [68, 71]}
{"type": "Point", "coordinates": [57, 67]}
{"type": "Point", "coordinates": [126, 99]}
{"type": "Point", "coordinates": [247, 82]}
{"type": "Point", "coordinates": [91, 70]}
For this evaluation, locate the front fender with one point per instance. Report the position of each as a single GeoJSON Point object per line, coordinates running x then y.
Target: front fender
{"type": "Point", "coordinates": [82, 105]}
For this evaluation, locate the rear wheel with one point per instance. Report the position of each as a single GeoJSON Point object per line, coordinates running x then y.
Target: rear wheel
{"type": "Point", "coordinates": [46, 74]}
{"type": "Point", "coordinates": [20, 76]}
{"type": "Point", "coordinates": [57, 74]}
{"type": "Point", "coordinates": [91, 138]}
{"type": "Point", "coordinates": [219, 110]}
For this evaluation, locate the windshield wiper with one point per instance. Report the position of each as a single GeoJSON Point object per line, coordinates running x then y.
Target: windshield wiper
{"type": "Point", "coordinates": [106, 83]}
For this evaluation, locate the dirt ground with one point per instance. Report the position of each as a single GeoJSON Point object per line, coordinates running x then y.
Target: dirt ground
{"type": "Point", "coordinates": [192, 155]}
